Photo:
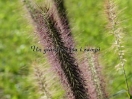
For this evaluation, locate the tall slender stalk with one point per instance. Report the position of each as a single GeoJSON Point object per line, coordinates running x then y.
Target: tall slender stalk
{"type": "Point", "coordinates": [117, 31]}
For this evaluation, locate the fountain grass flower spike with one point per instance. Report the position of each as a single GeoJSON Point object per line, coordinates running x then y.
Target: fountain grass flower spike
{"type": "Point", "coordinates": [53, 28]}
{"type": "Point", "coordinates": [117, 31]}
{"type": "Point", "coordinates": [39, 77]}
{"type": "Point", "coordinates": [63, 22]}
{"type": "Point", "coordinates": [93, 74]}
{"type": "Point", "coordinates": [64, 62]}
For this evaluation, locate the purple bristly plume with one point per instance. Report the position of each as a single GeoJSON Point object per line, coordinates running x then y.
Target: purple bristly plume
{"type": "Point", "coordinates": [62, 60]}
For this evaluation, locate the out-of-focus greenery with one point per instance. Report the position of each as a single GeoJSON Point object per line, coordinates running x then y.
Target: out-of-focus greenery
{"type": "Point", "coordinates": [87, 20]}
{"type": "Point", "coordinates": [15, 53]}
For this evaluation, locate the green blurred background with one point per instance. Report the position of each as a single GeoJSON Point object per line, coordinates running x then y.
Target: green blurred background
{"type": "Point", "coordinates": [88, 24]}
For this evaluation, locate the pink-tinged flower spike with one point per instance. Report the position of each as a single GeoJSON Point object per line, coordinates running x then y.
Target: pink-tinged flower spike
{"type": "Point", "coordinates": [64, 61]}
{"type": "Point", "coordinates": [101, 81]}
{"type": "Point", "coordinates": [46, 41]}
{"type": "Point", "coordinates": [62, 21]}
{"type": "Point", "coordinates": [68, 63]}
{"type": "Point", "coordinates": [92, 72]}
{"type": "Point", "coordinates": [84, 66]}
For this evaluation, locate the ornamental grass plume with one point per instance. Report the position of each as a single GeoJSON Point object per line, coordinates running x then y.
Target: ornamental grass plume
{"type": "Point", "coordinates": [93, 74]}
{"type": "Point", "coordinates": [117, 31]}
{"type": "Point", "coordinates": [63, 61]}
{"type": "Point", "coordinates": [95, 69]}
{"type": "Point", "coordinates": [63, 22]}
{"type": "Point", "coordinates": [41, 83]}
{"type": "Point", "coordinates": [81, 81]}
